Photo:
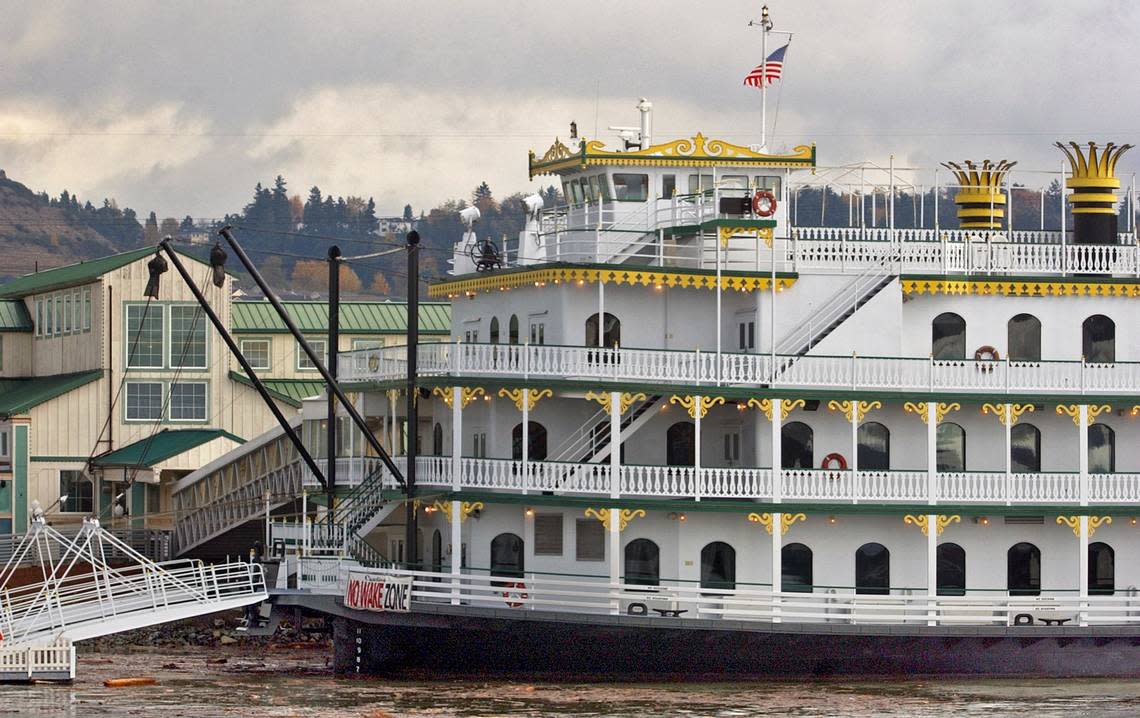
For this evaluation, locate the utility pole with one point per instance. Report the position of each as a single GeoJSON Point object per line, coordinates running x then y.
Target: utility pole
{"type": "Point", "coordinates": [334, 341]}
{"type": "Point", "coordinates": [410, 539]}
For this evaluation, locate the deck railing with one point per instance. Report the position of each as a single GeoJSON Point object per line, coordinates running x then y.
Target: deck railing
{"type": "Point", "coordinates": [662, 366]}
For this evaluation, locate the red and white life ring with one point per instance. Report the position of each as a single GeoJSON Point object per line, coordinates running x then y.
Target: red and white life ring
{"type": "Point", "coordinates": [518, 590]}
{"type": "Point", "coordinates": [836, 457]}
{"type": "Point", "coordinates": [764, 203]}
{"type": "Point", "coordinates": [986, 353]}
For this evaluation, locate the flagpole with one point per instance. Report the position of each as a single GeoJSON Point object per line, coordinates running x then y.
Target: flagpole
{"type": "Point", "coordinates": [765, 27]}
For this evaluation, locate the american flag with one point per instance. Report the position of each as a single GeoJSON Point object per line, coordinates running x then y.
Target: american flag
{"type": "Point", "coordinates": [769, 72]}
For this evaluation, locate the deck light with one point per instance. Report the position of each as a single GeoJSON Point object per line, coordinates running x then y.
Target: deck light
{"type": "Point", "coordinates": [1132, 520]}
{"type": "Point", "coordinates": [832, 520]}
{"type": "Point", "coordinates": [529, 511]}
{"type": "Point", "coordinates": [680, 517]}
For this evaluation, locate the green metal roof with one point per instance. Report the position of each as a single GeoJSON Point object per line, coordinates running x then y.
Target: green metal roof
{"type": "Point", "coordinates": [259, 317]}
{"type": "Point", "coordinates": [290, 391]}
{"type": "Point", "coordinates": [19, 395]}
{"type": "Point", "coordinates": [75, 274]}
{"type": "Point", "coordinates": [161, 446]}
{"type": "Point", "coordinates": [14, 316]}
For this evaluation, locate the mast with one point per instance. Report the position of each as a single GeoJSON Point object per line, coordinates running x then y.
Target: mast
{"type": "Point", "coordinates": [765, 27]}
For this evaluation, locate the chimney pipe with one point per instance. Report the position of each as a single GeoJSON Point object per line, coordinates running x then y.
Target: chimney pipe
{"type": "Point", "coordinates": [1094, 184]}
{"type": "Point", "coordinates": [981, 202]}
{"type": "Point", "coordinates": [645, 107]}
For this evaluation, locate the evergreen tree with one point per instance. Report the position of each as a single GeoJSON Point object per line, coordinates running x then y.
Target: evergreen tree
{"type": "Point", "coordinates": [187, 225]}
{"type": "Point", "coordinates": [408, 216]}
{"type": "Point", "coordinates": [150, 230]}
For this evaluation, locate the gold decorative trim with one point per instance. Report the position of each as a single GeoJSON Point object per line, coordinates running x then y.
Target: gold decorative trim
{"type": "Point", "coordinates": [443, 507]}
{"type": "Point", "coordinates": [944, 521]}
{"type": "Point", "coordinates": [858, 408]}
{"type": "Point", "coordinates": [469, 507]}
{"type": "Point", "coordinates": [1074, 522]}
{"type": "Point", "coordinates": [624, 516]}
{"type": "Point", "coordinates": [922, 521]}
{"type": "Point", "coordinates": [726, 233]}
{"type": "Point", "coordinates": [940, 410]}
{"type": "Point", "coordinates": [557, 151]}
{"type": "Point", "coordinates": [786, 521]}
{"type": "Point", "coordinates": [1073, 411]}
{"type": "Point", "coordinates": [602, 398]}
{"type": "Point", "coordinates": [532, 398]}
{"type": "Point", "coordinates": [644, 276]}
{"type": "Point", "coordinates": [1087, 166]}
{"type": "Point", "coordinates": [690, 404]}
{"type": "Point", "coordinates": [467, 395]}
{"type": "Point", "coordinates": [1014, 413]}
{"type": "Point", "coordinates": [788, 405]}
{"type": "Point", "coordinates": [628, 398]}
{"type": "Point", "coordinates": [764, 405]}
{"type": "Point", "coordinates": [445, 394]}
{"type": "Point", "coordinates": [1095, 522]}
{"type": "Point", "coordinates": [1020, 288]}
{"type": "Point", "coordinates": [1096, 410]}
{"type": "Point", "coordinates": [697, 148]}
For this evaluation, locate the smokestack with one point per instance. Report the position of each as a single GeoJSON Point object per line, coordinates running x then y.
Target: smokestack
{"type": "Point", "coordinates": [645, 107]}
{"type": "Point", "coordinates": [1093, 183]}
{"type": "Point", "coordinates": [981, 202]}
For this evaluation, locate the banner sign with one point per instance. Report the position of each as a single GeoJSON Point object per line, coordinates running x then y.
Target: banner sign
{"type": "Point", "coordinates": [377, 592]}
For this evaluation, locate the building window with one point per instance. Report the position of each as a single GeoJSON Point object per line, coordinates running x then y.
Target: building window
{"type": "Point", "coordinates": [187, 337]}
{"type": "Point", "coordinates": [611, 332]}
{"type": "Point", "coordinates": [680, 444]}
{"type": "Point", "coordinates": [548, 534]}
{"type": "Point", "coordinates": [366, 344]}
{"type": "Point", "coordinates": [951, 448]}
{"type": "Point", "coordinates": [873, 569]}
{"type": "Point", "coordinates": [1, 353]}
{"type": "Point", "coordinates": [951, 570]}
{"type": "Point", "coordinates": [796, 568]}
{"type": "Point", "coordinates": [948, 336]}
{"type": "Point", "coordinates": [874, 447]}
{"type": "Point", "coordinates": [79, 492]}
{"type": "Point", "coordinates": [589, 540]}
{"type": "Point", "coordinates": [5, 451]}
{"type": "Point", "coordinates": [1102, 449]}
{"type": "Point", "coordinates": [507, 556]}
{"type": "Point", "coordinates": [188, 401]}
{"type": "Point", "coordinates": [1025, 449]}
{"type": "Point", "coordinates": [86, 309]}
{"type": "Point", "coordinates": [1023, 570]}
{"type": "Point", "coordinates": [144, 401]}
{"type": "Point", "coordinates": [718, 566]}
{"type": "Point", "coordinates": [537, 332]}
{"type": "Point", "coordinates": [642, 563]}
{"type": "Point", "coordinates": [1098, 340]}
{"type": "Point", "coordinates": [536, 442]}
{"type": "Point", "coordinates": [256, 352]}
{"type": "Point", "coordinates": [39, 318]}
{"type": "Point", "coordinates": [67, 316]}
{"type": "Point", "coordinates": [153, 499]}
{"type": "Point", "coordinates": [143, 340]}
{"type": "Point", "coordinates": [796, 446]}
{"type": "Point", "coordinates": [1023, 337]}
{"type": "Point", "coordinates": [320, 348]}
{"type": "Point", "coordinates": [494, 330]}
{"type": "Point", "coordinates": [1102, 569]}
{"type": "Point", "coordinates": [631, 187]}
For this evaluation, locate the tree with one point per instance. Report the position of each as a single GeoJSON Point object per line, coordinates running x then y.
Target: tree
{"type": "Point", "coordinates": [150, 230]}
{"type": "Point", "coordinates": [482, 198]}
{"type": "Point", "coordinates": [168, 228]}
{"type": "Point", "coordinates": [349, 280]}
{"type": "Point", "coordinates": [311, 275]}
{"type": "Point", "coordinates": [408, 216]}
{"type": "Point", "coordinates": [379, 285]}
{"type": "Point", "coordinates": [187, 225]}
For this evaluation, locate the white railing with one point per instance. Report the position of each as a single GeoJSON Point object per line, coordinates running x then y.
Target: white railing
{"type": "Point", "coordinates": [52, 660]}
{"type": "Point", "coordinates": [801, 338]}
{"type": "Point", "coordinates": [660, 366]}
{"type": "Point", "coordinates": [596, 595]}
{"type": "Point", "coordinates": [350, 470]}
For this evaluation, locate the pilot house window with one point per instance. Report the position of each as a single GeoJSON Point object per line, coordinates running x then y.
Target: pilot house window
{"type": "Point", "coordinates": [631, 188]}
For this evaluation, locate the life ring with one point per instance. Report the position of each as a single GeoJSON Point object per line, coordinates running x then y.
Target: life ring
{"type": "Point", "coordinates": [518, 588]}
{"type": "Point", "coordinates": [834, 456]}
{"type": "Point", "coordinates": [987, 353]}
{"type": "Point", "coordinates": [764, 203]}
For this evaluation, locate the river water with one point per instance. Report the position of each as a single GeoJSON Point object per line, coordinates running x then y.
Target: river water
{"type": "Point", "coordinates": [298, 682]}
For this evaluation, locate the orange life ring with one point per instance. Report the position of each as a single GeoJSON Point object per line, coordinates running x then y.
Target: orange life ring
{"type": "Point", "coordinates": [519, 589]}
{"type": "Point", "coordinates": [764, 203]}
{"type": "Point", "coordinates": [986, 353]}
{"type": "Point", "coordinates": [834, 456]}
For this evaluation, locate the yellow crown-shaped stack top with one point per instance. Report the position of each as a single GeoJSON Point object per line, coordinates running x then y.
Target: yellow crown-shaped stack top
{"type": "Point", "coordinates": [1093, 179]}
{"type": "Point", "coordinates": [980, 200]}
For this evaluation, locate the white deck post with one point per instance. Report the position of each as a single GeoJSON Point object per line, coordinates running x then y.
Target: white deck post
{"type": "Point", "coordinates": [932, 570]}
{"type": "Point", "coordinates": [855, 451]}
{"type": "Point", "coordinates": [777, 563]}
{"type": "Point", "coordinates": [932, 452]}
{"type": "Point", "coordinates": [1008, 422]}
{"type": "Point", "coordinates": [456, 550]}
{"type": "Point", "coordinates": [615, 444]}
{"type": "Point", "coordinates": [1083, 574]}
{"type": "Point", "coordinates": [456, 436]}
{"type": "Point", "coordinates": [698, 479]}
{"type": "Point", "coordinates": [615, 560]}
{"type": "Point", "coordinates": [525, 440]}
{"type": "Point", "coordinates": [777, 457]}
{"type": "Point", "coordinates": [1083, 453]}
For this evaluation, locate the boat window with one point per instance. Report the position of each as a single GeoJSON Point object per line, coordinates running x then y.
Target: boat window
{"type": "Point", "coordinates": [1098, 345]}
{"type": "Point", "coordinates": [734, 182]}
{"type": "Point", "coordinates": [1102, 569]}
{"type": "Point", "coordinates": [796, 568]}
{"type": "Point", "coordinates": [642, 563]}
{"type": "Point", "coordinates": [536, 442]}
{"type": "Point", "coordinates": [700, 183]}
{"type": "Point", "coordinates": [589, 540]}
{"type": "Point", "coordinates": [668, 186]}
{"type": "Point", "coordinates": [437, 440]}
{"type": "Point", "coordinates": [951, 570]}
{"type": "Point", "coordinates": [951, 451]}
{"type": "Point", "coordinates": [1023, 570]}
{"type": "Point", "coordinates": [513, 330]}
{"type": "Point", "coordinates": [873, 569]}
{"type": "Point", "coordinates": [770, 183]}
{"type": "Point", "coordinates": [718, 566]}
{"type": "Point", "coordinates": [1024, 338]}
{"type": "Point", "coordinates": [631, 188]}
{"type": "Point", "coordinates": [948, 336]}
{"type": "Point", "coordinates": [507, 556]}
{"type": "Point", "coordinates": [1025, 448]}
{"type": "Point", "coordinates": [494, 330]}
{"type": "Point", "coordinates": [874, 447]}
{"type": "Point", "coordinates": [566, 192]}
{"type": "Point", "coordinates": [548, 535]}
{"type": "Point", "coordinates": [593, 193]}
{"type": "Point", "coordinates": [611, 332]}
{"type": "Point", "coordinates": [680, 444]}
{"type": "Point", "coordinates": [1102, 449]}
{"type": "Point", "coordinates": [576, 191]}
{"type": "Point", "coordinates": [604, 187]}
{"type": "Point", "coordinates": [796, 446]}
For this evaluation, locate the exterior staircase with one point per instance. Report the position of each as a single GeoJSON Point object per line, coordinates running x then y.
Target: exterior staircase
{"type": "Point", "coordinates": [590, 444]}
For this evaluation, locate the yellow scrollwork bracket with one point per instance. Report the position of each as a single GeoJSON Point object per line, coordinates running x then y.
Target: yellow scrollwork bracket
{"type": "Point", "coordinates": [531, 397]}
{"type": "Point", "coordinates": [469, 507]}
{"type": "Point", "coordinates": [443, 507]}
{"type": "Point", "coordinates": [602, 398]}
{"type": "Point", "coordinates": [1073, 522]}
{"type": "Point", "coordinates": [1095, 522]}
{"type": "Point", "coordinates": [921, 521]}
{"type": "Point", "coordinates": [628, 398]}
{"type": "Point", "coordinates": [764, 520]}
{"type": "Point", "coordinates": [940, 410]}
{"type": "Point", "coordinates": [444, 393]}
{"type": "Point", "coordinates": [466, 395]}
{"type": "Point", "coordinates": [1073, 411]}
{"type": "Point", "coordinates": [624, 516]}
{"type": "Point", "coordinates": [857, 408]}
{"type": "Point", "coordinates": [1095, 411]}
{"type": "Point", "coordinates": [764, 405]}
{"type": "Point", "coordinates": [944, 521]}
{"type": "Point", "coordinates": [786, 521]}
{"type": "Point", "coordinates": [1007, 417]}
{"type": "Point", "coordinates": [694, 407]}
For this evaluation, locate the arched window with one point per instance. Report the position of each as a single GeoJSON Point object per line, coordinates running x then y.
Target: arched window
{"type": "Point", "coordinates": [1102, 569]}
{"type": "Point", "coordinates": [948, 336]}
{"type": "Point", "coordinates": [642, 563]}
{"type": "Point", "coordinates": [437, 440]}
{"type": "Point", "coordinates": [611, 331]}
{"type": "Point", "coordinates": [513, 330]}
{"type": "Point", "coordinates": [1023, 338]}
{"type": "Point", "coordinates": [1023, 570]}
{"type": "Point", "coordinates": [796, 568]}
{"type": "Point", "coordinates": [507, 556]}
{"type": "Point", "coordinates": [1025, 448]}
{"type": "Point", "coordinates": [437, 551]}
{"type": "Point", "coordinates": [1102, 449]}
{"type": "Point", "coordinates": [874, 447]}
{"type": "Point", "coordinates": [1098, 340]}
{"type": "Point", "coordinates": [951, 570]}
{"type": "Point", "coordinates": [718, 566]}
{"type": "Point", "coordinates": [796, 446]}
{"type": "Point", "coordinates": [494, 330]}
{"type": "Point", "coordinates": [951, 447]}
{"type": "Point", "coordinates": [680, 444]}
{"type": "Point", "coordinates": [536, 438]}
{"type": "Point", "coordinates": [873, 569]}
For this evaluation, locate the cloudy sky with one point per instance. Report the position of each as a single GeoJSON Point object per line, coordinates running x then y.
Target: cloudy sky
{"type": "Point", "coordinates": [182, 107]}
